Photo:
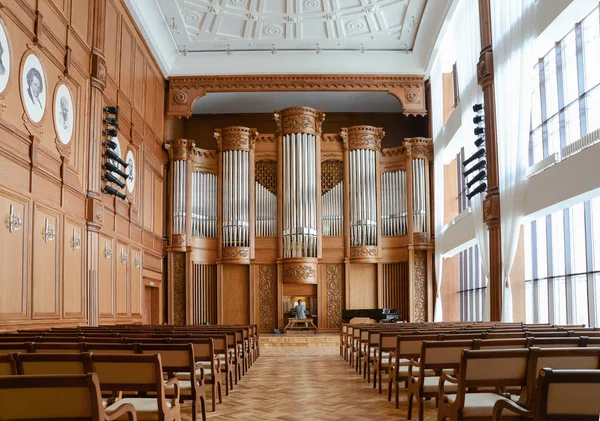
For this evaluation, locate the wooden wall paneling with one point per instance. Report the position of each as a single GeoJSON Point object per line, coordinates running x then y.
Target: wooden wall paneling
{"type": "Point", "coordinates": [158, 204]}
{"type": "Point", "coordinates": [150, 95]}
{"type": "Point", "coordinates": [121, 260]}
{"type": "Point", "coordinates": [111, 39]}
{"type": "Point", "coordinates": [14, 258]}
{"type": "Point", "coordinates": [81, 20]}
{"type": "Point", "coordinates": [148, 198]}
{"type": "Point", "coordinates": [74, 289]}
{"type": "Point", "coordinates": [46, 267]}
{"type": "Point", "coordinates": [362, 286]}
{"type": "Point", "coordinates": [236, 294]}
{"type": "Point", "coordinates": [138, 80]}
{"type": "Point", "coordinates": [137, 288]}
{"type": "Point", "coordinates": [126, 68]}
{"type": "Point", "coordinates": [106, 275]}
{"type": "Point", "coordinates": [267, 296]}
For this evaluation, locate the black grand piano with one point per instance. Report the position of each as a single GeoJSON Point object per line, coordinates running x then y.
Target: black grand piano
{"type": "Point", "coordinates": [380, 314]}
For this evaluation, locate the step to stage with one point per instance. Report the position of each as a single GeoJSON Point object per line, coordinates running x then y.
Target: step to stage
{"type": "Point", "coordinates": [299, 344]}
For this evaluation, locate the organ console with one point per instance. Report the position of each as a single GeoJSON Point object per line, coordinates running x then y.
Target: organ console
{"type": "Point", "coordinates": [329, 216]}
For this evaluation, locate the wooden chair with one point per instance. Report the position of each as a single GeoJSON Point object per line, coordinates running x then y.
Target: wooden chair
{"type": "Point", "coordinates": [180, 358]}
{"type": "Point", "coordinates": [114, 348]}
{"type": "Point", "coordinates": [478, 369]}
{"type": "Point", "coordinates": [385, 357]}
{"type": "Point", "coordinates": [558, 342]}
{"type": "Point", "coordinates": [142, 374]}
{"type": "Point", "coordinates": [568, 395]}
{"type": "Point", "coordinates": [7, 365]}
{"type": "Point", "coordinates": [407, 348]}
{"type": "Point", "coordinates": [53, 364]}
{"type": "Point", "coordinates": [56, 348]}
{"type": "Point", "coordinates": [554, 358]}
{"type": "Point", "coordinates": [14, 347]}
{"type": "Point", "coordinates": [204, 356]}
{"type": "Point", "coordinates": [438, 356]}
{"type": "Point", "coordinates": [74, 397]}
{"type": "Point", "coordinates": [500, 343]}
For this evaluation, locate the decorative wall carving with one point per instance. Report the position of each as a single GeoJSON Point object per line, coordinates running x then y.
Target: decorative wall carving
{"type": "Point", "coordinates": [420, 238]}
{"type": "Point", "coordinates": [363, 251]}
{"type": "Point", "coordinates": [235, 138]}
{"type": "Point", "coordinates": [363, 137]}
{"type": "Point", "coordinates": [419, 286]}
{"type": "Point", "coordinates": [267, 287]}
{"type": "Point", "coordinates": [298, 123]}
{"type": "Point", "coordinates": [335, 292]}
{"type": "Point", "coordinates": [179, 293]}
{"type": "Point", "coordinates": [236, 252]}
{"type": "Point", "coordinates": [299, 273]}
{"type": "Point", "coordinates": [409, 89]}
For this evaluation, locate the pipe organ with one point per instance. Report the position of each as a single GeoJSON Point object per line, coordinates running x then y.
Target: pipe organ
{"type": "Point", "coordinates": [334, 219]}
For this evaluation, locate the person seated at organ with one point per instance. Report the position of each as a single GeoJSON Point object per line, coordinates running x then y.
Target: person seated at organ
{"type": "Point", "coordinates": [300, 312]}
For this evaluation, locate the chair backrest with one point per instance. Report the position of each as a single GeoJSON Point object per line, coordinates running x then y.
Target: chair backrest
{"type": "Point", "coordinates": [409, 346]}
{"type": "Point", "coordinates": [174, 357]}
{"type": "Point", "coordinates": [56, 348]}
{"type": "Point", "coordinates": [141, 373]}
{"type": "Point", "coordinates": [108, 348]}
{"type": "Point", "coordinates": [387, 341]}
{"type": "Point", "coordinates": [41, 364]}
{"type": "Point", "coordinates": [500, 343]}
{"type": "Point", "coordinates": [74, 397]}
{"type": "Point", "coordinates": [558, 359]}
{"type": "Point", "coordinates": [439, 355]}
{"type": "Point", "coordinates": [493, 368]}
{"type": "Point", "coordinates": [7, 365]}
{"type": "Point", "coordinates": [559, 342]}
{"type": "Point", "coordinates": [14, 347]}
{"type": "Point", "coordinates": [568, 395]}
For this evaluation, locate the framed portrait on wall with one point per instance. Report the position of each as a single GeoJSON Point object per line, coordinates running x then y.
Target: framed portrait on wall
{"type": "Point", "coordinates": [64, 113]}
{"type": "Point", "coordinates": [130, 182]}
{"type": "Point", "coordinates": [33, 87]}
{"type": "Point", "coordinates": [5, 58]}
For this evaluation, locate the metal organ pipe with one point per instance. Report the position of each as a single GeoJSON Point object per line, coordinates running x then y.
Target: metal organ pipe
{"type": "Point", "coordinates": [393, 200]}
{"type": "Point", "coordinates": [179, 180]}
{"type": "Point", "coordinates": [204, 205]}
{"type": "Point", "coordinates": [333, 211]}
{"type": "Point", "coordinates": [418, 167]}
{"type": "Point", "coordinates": [299, 182]}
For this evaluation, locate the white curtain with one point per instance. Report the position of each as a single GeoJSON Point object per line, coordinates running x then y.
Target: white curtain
{"type": "Point", "coordinates": [512, 44]}
{"type": "Point", "coordinates": [468, 38]}
{"type": "Point", "coordinates": [438, 175]}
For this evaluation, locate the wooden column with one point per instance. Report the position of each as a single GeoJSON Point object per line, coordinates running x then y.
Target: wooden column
{"type": "Point", "coordinates": [491, 204]}
{"type": "Point", "coordinates": [95, 208]}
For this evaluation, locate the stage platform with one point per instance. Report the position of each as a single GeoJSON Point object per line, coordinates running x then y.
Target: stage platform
{"type": "Point", "coordinates": [299, 344]}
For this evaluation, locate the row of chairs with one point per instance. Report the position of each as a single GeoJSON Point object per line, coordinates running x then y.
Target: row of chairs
{"type": "Point", "coordinates": [213, 351]}
{"type": "Point", "coordinates": [420, 359]}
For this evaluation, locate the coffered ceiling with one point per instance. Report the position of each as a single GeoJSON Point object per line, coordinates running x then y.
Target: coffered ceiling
{"type": "Point", "coordinates": [293, 24]}
{"type": "Point", "coordinates": [194, 37]}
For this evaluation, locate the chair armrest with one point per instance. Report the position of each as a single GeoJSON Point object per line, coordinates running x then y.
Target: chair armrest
{"type": "Point", "coordinates": [175, 383]}
{"type": "Point", "coordinates": [412, 363]}
{"type": "Point", "coordinates": [218, 363]}
{"type": "Point", "coordinates": [201, 378]}
{"type": "Point", "coordinates": [121, 410]}
{"type": "Point", "coordinates": [504, 403]}
{"type": "Point", "coordinates": [443, 379]}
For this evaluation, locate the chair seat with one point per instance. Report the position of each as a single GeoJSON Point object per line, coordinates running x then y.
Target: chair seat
{"type": "Point", "coordinates": [430, 385]}
{"type": "Point", "coordinates": [403, 371]}
{"type": "Point", "coordinates": [185, 388]}
{"type": "Point", "coordinates": [145, 408]}
{"type": "Point", "coordinates": [476, 404]}
{"type": "Point", "coordinates": [186, 376]}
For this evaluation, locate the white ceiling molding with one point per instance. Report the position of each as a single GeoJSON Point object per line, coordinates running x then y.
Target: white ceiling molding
{"type": "Point", "coordinates": [192, 37]}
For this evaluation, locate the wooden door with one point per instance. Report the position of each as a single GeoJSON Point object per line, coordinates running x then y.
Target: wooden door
{"type": "Point", "coordinates": [150, 308]}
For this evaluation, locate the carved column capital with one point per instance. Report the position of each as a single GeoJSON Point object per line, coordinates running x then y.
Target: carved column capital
{"type": "Point", "coordinates": [98, 74]}
{"type": "Point", "coordinates": [182, 98]}
{"type": "Point", "coordinates": [94, 214]}
{"type": "Point", "coordinates": [491, 210]}
{"type": "Point", "coordinates": [179, 149]}
{"type": "Point", "coordinates": [485, 67]}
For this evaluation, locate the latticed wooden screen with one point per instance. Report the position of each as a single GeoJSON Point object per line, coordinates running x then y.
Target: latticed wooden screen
{"type": "Point", "coordinates": [332, 173]}
{"type": "Point", "coordinates": [266, 174]}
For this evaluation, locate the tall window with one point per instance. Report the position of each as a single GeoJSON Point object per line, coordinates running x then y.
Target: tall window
{"type": "Point", "coordinates": [562, 266]}
{"type": "Point", "coordinates": [472, 287]}
{"type": "Point", "coordinates": [565, 94]}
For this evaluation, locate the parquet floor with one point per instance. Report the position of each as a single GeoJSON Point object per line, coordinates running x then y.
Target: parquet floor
{"type": "Point", "coordinates": [308, 388]}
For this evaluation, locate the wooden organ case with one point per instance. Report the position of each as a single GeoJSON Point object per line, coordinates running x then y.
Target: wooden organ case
{"type": "Point", "coordinates": [331, 218]}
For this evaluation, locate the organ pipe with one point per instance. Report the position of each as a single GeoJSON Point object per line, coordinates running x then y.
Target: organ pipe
{"type": "Point", "coordinates": [393, 203]}
{"type": "Point", "coordinates": [204, 205]}
{"type": "Point", "coordinates": [364, 144]}
{"type": "Point", "coordinates": [419, 195]}
{"type": "Point", "coordinates": [266, 212]}
{"type": "Point", "coordinates": [235, 144]}
{"type": "Point", "coordinates": [299, 155]}
{"type": "Point", "coordinates": [333, 211]}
